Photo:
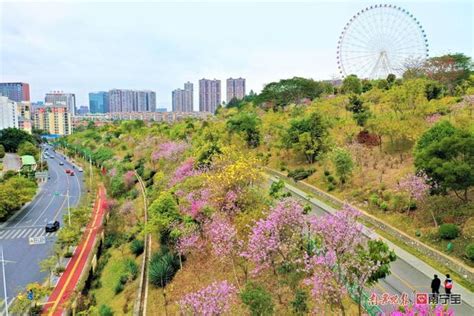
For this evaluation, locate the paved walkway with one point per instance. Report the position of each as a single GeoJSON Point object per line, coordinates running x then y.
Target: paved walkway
{"type": "Point", "coordinates": [68, 281]}
{"type": "Point", "coordinates": [11, 162]}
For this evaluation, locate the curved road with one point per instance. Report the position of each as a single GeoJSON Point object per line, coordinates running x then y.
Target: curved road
{"type": "Point", "coordinates": [22, 259]}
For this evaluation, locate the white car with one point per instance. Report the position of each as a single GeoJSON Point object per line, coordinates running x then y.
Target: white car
{"type": "Point", "coordinates": [80, 169]}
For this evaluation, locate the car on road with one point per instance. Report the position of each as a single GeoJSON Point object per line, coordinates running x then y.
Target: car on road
{"type": "Point", "coordinates": [68, 171]}
{"type": "Point", "coordinates": [71, 173]}
{"type": "Point", "coordinates": [52, 226]}
{"type": "Point", "coordinates": [61, 163]}
{"type": "Point", "coordinates": [80, 169]}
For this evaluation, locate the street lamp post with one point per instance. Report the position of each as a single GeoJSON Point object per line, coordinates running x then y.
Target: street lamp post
{"type": "Point", "coordinates": [68, 204]}
{"type": "Point", "coordinates": [68, 208]}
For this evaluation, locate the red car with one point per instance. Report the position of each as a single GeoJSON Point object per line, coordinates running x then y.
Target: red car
{"type": "Point", "coordinates": [68, 171]}
{"type": "Point", "coordinates": [71, 173]}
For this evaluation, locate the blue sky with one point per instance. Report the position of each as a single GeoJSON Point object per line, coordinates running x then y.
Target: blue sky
{"type": "Point", "coordinates": [80, 46]}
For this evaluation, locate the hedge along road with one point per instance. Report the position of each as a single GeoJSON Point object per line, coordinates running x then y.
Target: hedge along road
{"type": "Point", "coordinates": [22, 259]}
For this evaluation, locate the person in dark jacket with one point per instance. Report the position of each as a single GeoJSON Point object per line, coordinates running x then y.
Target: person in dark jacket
{"type": "Point", "coordinates": [448, 284]}
{"type": "Point", "coordinates": [435, 284]}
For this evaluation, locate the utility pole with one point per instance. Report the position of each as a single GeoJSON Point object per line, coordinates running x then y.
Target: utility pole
{"type": "Point", "coordinates": [4, 283]}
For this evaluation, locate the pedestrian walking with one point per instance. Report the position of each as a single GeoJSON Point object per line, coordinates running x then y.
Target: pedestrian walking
{"type": "Point", "coordinates": [435, 284]}
{"type": "Point", "coordinates": [448, 284]}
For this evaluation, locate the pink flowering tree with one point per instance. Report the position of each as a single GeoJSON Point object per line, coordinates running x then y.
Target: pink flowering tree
{"type": "Point", "coordinates": [189, 242]}
{"type": "Point", "coordinates": [225, 244]}
{"type": "Point", "coordinates": [433, 118]}
{"type": "Point", "coordinates": [338, 236]}
{"type": "Point", "coordinates": [417, 187]}
{"type": "Point", "coordinates": [342, 258]}
{"type": "Point", "coordinates": [276, 238]}
{"type": "Point", "coordinates": [169, 150]}
{"type": "Point", "coordinates": [213, 300]}
{"type": "Point", "coordinates": [129, 179]}
{"type": "Point", "coordinates": [196, 202]}
{"type": "Point", "coordinates": [185, 170]}
{"type": "Point", "coordinates": [230, 204]}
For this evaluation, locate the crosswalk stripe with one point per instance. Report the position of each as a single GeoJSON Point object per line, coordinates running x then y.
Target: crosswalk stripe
{"type": "Point", "coordinates": [23, 233]}
{"type": "Point", "coordinates": [15, 234]}
{"type": "Point", "coordinates": [9, 234]}
{"type": "Point", "coordinates": [3, 233]}
{"type": "Point", "coordinates": [33, 231]}
{"type": "Point", "coordinates": [39, 233]}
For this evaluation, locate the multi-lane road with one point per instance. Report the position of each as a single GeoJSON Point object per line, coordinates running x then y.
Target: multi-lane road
{"type": "Point", "coordinates": [22, 259]}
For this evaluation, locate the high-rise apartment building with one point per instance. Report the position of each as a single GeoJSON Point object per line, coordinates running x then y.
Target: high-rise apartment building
{"type": "Point", "coordinates": [8, 113]}
{"type": "Point", "coordinates": [55, 119]}
{"type": "Point", "coordinates": [188, 97]}
{"type": "Point", "coordinates": [15, 91]}
{"type": "Point", "coordinates": [182, 99]}
{"type": "Point", "coordinates": [123, 100]}
{"type": "Point", "coordinates": [23, 110]}
{"type": "Point", "coordinates": [209, 95]}
{"type": "Point", "coordinates": [99, 102]}
{"type": "Point", "coordinates": [59, 98]}
{"type": "Point", "coordinates": [235, 89]}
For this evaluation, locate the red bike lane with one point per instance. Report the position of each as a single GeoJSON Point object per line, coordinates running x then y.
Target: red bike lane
{"type": "Point", "coordinates": [68, 281]}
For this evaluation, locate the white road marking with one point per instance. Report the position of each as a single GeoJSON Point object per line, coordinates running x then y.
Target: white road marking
{"type": "Point", "coordinates": [17, 233]}
{"type": "Point", "coordinates": [34, 230]}
{"type": "Point", "coordinates": [32, 207]}
{"type": "Point", "coordinates": [38, 233]}
{"type": "Point", "coordinates": [22, 233]}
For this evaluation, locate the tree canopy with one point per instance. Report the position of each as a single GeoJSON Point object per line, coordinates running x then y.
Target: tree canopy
{"type": "Point", "coordinates": [11, 138]}
{"type": "Point", "coordinates": [286, 91]}
{"type": "Point", "coordinates": [447, 158]}
{"type": "Point", "coordinates": [307, 135]}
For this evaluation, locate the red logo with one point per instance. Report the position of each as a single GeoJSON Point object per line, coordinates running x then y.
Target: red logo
{"type": "Point", "coordinates": [421, 298]}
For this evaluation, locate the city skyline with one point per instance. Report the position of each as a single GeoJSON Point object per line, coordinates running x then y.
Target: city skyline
{"type": "Point", "coordinates": [160, 58]}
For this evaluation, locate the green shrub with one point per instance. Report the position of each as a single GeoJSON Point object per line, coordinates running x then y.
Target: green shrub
{"type": "Point", "coordinates": [123, 279]}
{"type": "Point", "coordinates": [383, 206]}
{"type": "Point", "coordinates": [137, 246]}
{"type": "Point", "coordinates": [105, 310]}
{"type": "Point", "coordinates": [307, 209]}
{"type": "Point", "coordinates": [448, 231]}
{"type": "Point", "coordinates": [470, 251]}
{"type": "Point", "coordinates": [374, 199]}
{"type": "Point", "coordinates": [258, 300]}
{"type": "Point", "coordinates": [300, 173]}
{"type": "Point", "coordinates": [300, 303]}
{"type": "Point", "coordinates": [68, 254]}
{"type": "Point", "coordinates": [163, 267]}
{"type": "Point", "coordinates": [59, 270]}
{"type": "Point", "coordinates": [327, 173]}
{"type": "Point", "coordinates": [331, 187]}
{"type": "Point", "coordinates": [118, 288]}
{"type": "Point", "coordinates": [132, 268]}
{"type": "Point", "coordinates": [331, 179]}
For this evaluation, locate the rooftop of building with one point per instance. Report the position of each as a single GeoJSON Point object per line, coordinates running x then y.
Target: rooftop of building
{"type": "Point", "coordinates": [28, 160]}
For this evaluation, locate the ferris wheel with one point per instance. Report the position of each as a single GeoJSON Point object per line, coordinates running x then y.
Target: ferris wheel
{"type": "Point", "coordinates": [380, 40]}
